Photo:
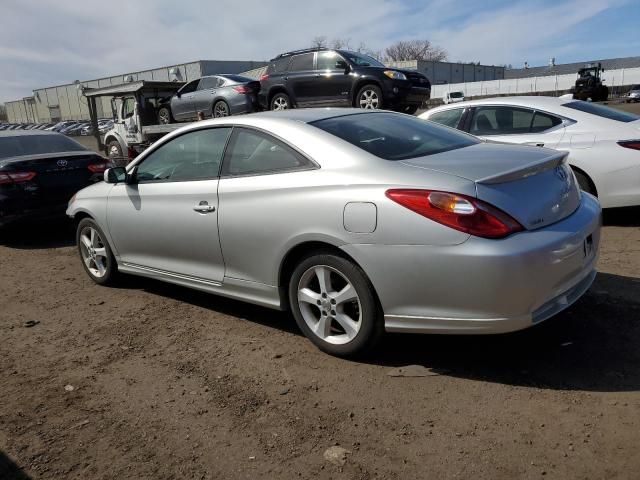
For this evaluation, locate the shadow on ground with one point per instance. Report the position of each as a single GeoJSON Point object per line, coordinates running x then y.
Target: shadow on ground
{"type": "Point", "coordinates": [9, 470]}
{"type": "Point", "coordinates": [52, 233]}
{"type": "Point", "coordinates": [621, 217]}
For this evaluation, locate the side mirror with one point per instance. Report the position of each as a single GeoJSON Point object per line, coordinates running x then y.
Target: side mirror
{"type": "Point", "coordinates": [178, 94]}
{"type": "Point", "coordinates": [115, 175]}
{"type": "Point", "coordinates": [342, 65]}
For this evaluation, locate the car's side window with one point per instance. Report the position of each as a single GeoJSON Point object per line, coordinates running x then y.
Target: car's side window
{"type": "Point", "coordinates": [543, 122]}
{"type": "Point", "coordinates": [502, 120]}
{"type": "Point", "coordinates": [301, 62]}
{"type": "Point", "coordinates": [129, 107]}
{"type": "Point", "coordinates": [193, 156]}
{"type": "Point", "coordinates": [450, 118]}
{"type": "Point", "coordinates": [190, 87]}
{"type": "Point", "coordinates": [252, 152]}
{"type": "Point", "coordinates": [328, 61]}
{"type": "Point", "coordinates": [207, 83]}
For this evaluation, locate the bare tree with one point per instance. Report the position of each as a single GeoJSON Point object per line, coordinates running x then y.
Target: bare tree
{"type": "Point", "coordinates": [319, 41]}
{"type": "Point", "coordinates": [341, 43]}
{"type": "Point", "coordinates": [415, 50]}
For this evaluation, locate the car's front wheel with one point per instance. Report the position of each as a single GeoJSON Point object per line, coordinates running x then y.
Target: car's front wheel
{"type": "Point", "coordinates": [97, 259]}
{"type": "Point", "coordinates": [164, 116]}
{"type": "Point", "coordinates": [334, 304]}
{"type": "Point", "coordinates": [369, 98]}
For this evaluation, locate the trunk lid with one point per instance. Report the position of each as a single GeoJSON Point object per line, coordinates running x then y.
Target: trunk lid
{"type": "Point", "coordinates": [534, 185]}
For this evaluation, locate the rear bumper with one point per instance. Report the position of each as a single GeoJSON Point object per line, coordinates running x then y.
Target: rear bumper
{"type": "Point", "coordinates": [485, 286]}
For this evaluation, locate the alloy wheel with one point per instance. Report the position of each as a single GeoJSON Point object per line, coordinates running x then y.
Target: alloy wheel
{"type": "Point", "coordinates": [94, 252]}
{"type": "Point", "coordinates": [163, 117]}
{"type": "Point", "coordinates": [329, 304]}
{"type": "Point", "coordinates": [369, 100]}
{"type": "Point", "coordinates": [280, 103]}
{"type": "Point", "coordinates": [220, 110]}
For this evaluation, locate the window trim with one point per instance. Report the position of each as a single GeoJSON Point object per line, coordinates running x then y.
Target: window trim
{"type": "Point", "coordinates": [311, 164]}
{"type": "Point", "coordinates": [566, 121]}
{"type": "Point", "coordinates": [216, 177]}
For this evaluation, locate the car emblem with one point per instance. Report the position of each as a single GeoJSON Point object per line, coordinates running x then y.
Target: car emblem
{"type": "Point", "coordinates": [62, 163]}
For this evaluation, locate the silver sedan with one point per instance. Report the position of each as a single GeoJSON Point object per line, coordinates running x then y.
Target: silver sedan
{"type": "Point", "coordinates": [358, 222]}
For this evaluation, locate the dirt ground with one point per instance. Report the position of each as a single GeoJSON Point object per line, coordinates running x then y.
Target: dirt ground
{"type": "Point", "coordinates": [154, 381]}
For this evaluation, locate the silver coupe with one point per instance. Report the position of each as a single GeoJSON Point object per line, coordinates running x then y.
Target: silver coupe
{"type": "Point", "coordinates": [358, 222]}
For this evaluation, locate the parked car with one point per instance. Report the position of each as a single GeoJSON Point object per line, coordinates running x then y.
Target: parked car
{"type": "Point", "coordinates": [214, 96]}
{"type": "Point", "coordinates": [603, 145]}
{"type": "Point", "coordinates": [634, 94]}
{"type": "Point", "coordinates": [103, 126]}
{"type": "Point", "coordinates": [74, 129]}
{"type": "Point", "coordinates": [359, 221]}
{"type": "Point", "coordinates": [40, 171]}
{"type": "Point", "coordinates": [340, 78]}
{"type": "Point", "coordinates": [453, 97]}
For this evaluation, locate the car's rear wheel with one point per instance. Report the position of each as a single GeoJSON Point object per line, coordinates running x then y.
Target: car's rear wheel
{"type": "Point", "coordinates": [585, 183]}
{"type": "Point", "coordinates": [369, 98]}
{"type": "Point", "coordinates": [164, 116]}
{"type": "Point", "coordinates": [221, 109]}
{"type": "Point", "coordinates": [280, 101]}
{"type": "Point", "coordinates": [97, 259]}
{"type": "Point", "coordinates": [114, 150]}
{"type": "Point", "coordinates": [334, 304]}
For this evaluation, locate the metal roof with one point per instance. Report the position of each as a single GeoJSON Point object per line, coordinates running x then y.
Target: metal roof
{"type": "Point", "coordinates": [129, 88]}
{"type": "Point", "coordinates": [568, 68]}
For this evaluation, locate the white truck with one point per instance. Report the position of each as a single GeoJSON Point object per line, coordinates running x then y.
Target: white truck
{"type": "Point", "coordinates": [134, 107]}
{"type": "Point", "coordinates": [453, 97]}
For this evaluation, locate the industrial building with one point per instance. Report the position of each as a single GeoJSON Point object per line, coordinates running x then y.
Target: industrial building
{"type": "Point", "coordinates": [66, 102]}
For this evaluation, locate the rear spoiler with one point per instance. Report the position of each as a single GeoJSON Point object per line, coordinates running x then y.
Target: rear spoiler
{"type": "Point", "coordinates": [552, 161]}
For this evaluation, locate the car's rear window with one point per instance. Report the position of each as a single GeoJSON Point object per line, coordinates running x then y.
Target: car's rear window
{"type": "Point", "coordinates": [602, 111]}
{"type": "Point", "coordinates": [237, 78]}
{"type": "Point", "coordinates": [394, 136]}
{"type": "Point", "coordinates": [36, 144]}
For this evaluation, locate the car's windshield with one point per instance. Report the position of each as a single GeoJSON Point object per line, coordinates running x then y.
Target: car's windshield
{"type": "Point", "coordinates": [362, 60]}
{"type": "Point", "coordinates": [36, 144]}
{"type": "Point", "coordinates": [393, 136]}
{"type": "Point", "coordinates": [602, 111]}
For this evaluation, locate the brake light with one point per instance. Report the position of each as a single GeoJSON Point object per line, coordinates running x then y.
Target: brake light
{"type": "Point", "coordinates": [264, 77]}
{"type": "Point", "coordinates": [632, 144]}
{"type": "Point", "coordinates": [15, 177]}
{"type": "Point", "coordinates": [463, 213]}
{"type": "Point", "coordinates": [242, 89]}
{"type": "Point", "coordinates": [98, 167]}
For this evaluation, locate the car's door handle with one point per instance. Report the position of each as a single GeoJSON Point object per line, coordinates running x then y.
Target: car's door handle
{"type": "Point", "coordinates": [204, 207]}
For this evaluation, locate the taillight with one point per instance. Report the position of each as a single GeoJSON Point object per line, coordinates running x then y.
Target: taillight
{"type": "Point", "coordinates": [15, 177]}
{"type": "Point", "coordinates": [463, 213]}
{"type": "Point", "coordinates": [98, 167]}
{"type": "Point", "coordinates": [264, 77]}
{"type": "Point", "coordinates": [632, 144]}
{"type": "Point", "coordinates": [242, 89]}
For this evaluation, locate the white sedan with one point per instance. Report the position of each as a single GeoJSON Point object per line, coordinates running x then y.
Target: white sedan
{"type": "Point", "coordinates": [603, 143]}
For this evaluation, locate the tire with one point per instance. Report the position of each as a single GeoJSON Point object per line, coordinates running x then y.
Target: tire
{"type": "Point", "coordinates": [369, 98]}
{"type": "Point", "coordinates": [341, 328]}
{"type": "Point", "coordinates": [95, 253]}
{"type": "Point", "coordinates": [114, 150]}
{"type": "Point", "coordinates": [585, 183]}
{"type": "Point", "coordinates": [220, 109]}
{"type": "Point", "coordinates": [280, 101]}
{"type": "Point", "coordinates": [408, 109]}
{"type": "Point", "coordinates": [164, 116]}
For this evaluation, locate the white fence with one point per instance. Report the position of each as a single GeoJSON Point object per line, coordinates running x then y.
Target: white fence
{"type": "Point", "coordinates": [551, 83]}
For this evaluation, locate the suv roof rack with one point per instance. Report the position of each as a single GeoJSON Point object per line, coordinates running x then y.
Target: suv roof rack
{"type": "Point", "coordinates": [303, 50]}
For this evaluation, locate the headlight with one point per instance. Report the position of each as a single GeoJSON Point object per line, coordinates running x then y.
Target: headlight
{"type": "Point", "coordinates": [395, 75]}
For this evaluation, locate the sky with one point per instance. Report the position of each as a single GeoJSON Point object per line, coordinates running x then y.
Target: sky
{"type": "Point", "coordinates": [53, 42]}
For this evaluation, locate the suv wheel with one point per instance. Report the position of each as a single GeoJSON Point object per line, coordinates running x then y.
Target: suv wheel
{"type": "Point", "coordinates": [334, 304]}
{"type": "Point", "coordinates": [369, 98]}
{"type": "Point", "coordinates": [280, 101]}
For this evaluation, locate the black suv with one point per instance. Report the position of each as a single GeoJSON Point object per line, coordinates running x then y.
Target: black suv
{"type": "Point", "coordinates": [321, 77]}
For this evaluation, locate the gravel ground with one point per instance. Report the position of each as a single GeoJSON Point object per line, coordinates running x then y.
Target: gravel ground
{"type": "Point", "coordinates": [154, 381]}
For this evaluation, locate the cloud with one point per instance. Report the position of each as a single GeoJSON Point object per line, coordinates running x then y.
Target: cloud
{"type": "Point", "coordinates": [50, 42]}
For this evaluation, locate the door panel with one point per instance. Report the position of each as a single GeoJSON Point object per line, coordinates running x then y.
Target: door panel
{"type": "Point", "coordinates": [333, 83]}
{"type": "Point", "coordinates": [182, 106]}
{"type": "Point", "coordinates": [203, 96]}
{"type": "Point", "coordinates": [301, 78]}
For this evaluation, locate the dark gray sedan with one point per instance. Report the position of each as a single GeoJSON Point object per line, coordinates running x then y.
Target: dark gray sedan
{"type": "Point", "coordinates": [214, 96]}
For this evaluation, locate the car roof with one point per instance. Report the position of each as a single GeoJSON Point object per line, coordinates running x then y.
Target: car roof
{"type": "Point", "coordinates": [308, 115]}
{"type": "Point", "coordinates": [529, 101]}
{"type": "Point", "coordinates": [26, 133]}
